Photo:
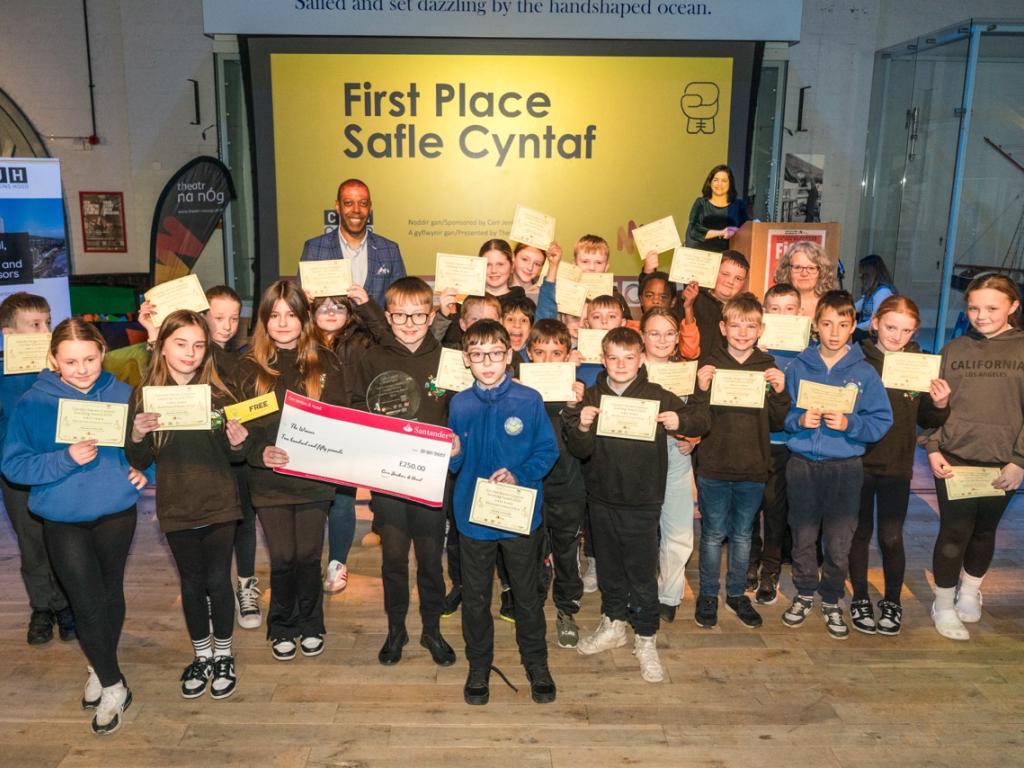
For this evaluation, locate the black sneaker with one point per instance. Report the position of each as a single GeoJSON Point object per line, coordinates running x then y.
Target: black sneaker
{"type": "Point", "coordinates": [452, 601]}
{"type": "Point", "coordinates": [752, 581]}
{"type": "Point", "coordinates": [440, 651]}
{"type": "Point", "coordinates": [862, 616]}
{"type": "Point", "coordinates": [40, 628]}
{"type": "Point", "coordinates": [542, 687]}
{"type": "Point", "coordinates": [835, 623]}
{"type": "Point", "coordinates": [224, 679]}
{"type": "Point", "coordinates": [477, 689]}
{"type": "Point", "coordinates": [391, 652]}
{"type": "Point", "coordinates": [767, 589]}
{"type": "Point", "coordinates": [891, 620]}
{"type": "Point", "coordinates": [507, 612]}
{"type": "Point", "coordinates": [66, 625]}
{"type": "Point", "coordinates": [744, 611]}
{"type": "Point", "coordinates": [667, 612]}
{"type": "Point", "coordinates": [195, 678]}
{"type": "Point", "coordinates": [706, 613]}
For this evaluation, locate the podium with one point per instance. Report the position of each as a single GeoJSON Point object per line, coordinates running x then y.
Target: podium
{"type": "Point", "coordinates": [763, 243]}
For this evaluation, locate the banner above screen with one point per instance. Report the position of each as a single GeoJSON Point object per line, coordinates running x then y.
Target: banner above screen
{"type": "Point", "coordinates": [778, 20]}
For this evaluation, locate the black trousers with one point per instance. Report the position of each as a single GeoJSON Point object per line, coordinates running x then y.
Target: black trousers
{"type": "Point", "coordinates": [89, 559]}
{"type": "Point", "coordinates": [203, 557]}
{"type": "Point", "coordinates": [967, 535]}
{"type": "Point", "coordinates": [892, 494]}
{"type": "Point", "coordinates": [295, 539]}
{"type": "Point", "coordinates": [626, 547]}
{"type": "Point", "coordinates": [766, 550]}
{"type": "Point", "coordinates": [44, 592]}
{"type": "Point", "coordinates": [245, 529]}
{"type": "Point", "coordinates": [401, 523]}
{"type": "Point", "coordinates": [522, 559]}
{"type": "Point", "coordinates": [451, 542]}
{"type": "Point", "coordinates": [562, 522]}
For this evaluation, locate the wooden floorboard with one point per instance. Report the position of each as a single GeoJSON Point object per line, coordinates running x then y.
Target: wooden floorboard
{"type": "Point", "coordinates": [732, 696]}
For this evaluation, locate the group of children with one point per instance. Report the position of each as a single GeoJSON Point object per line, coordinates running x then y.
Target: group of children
{"type": "Point", "coordinates": [825, 475]}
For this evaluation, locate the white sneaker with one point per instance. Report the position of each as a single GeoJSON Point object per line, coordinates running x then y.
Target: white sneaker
{"type": "Point", "coordinates": [646, 651]}
{"type": "Point", "coordinates": [948, 624]}
{"type": "Point", "coordinates": [247, 604]}
{"type": "Point", "coordinates": [109, 714]}
{"type": "Point", "coordinates": [93, 691]}
{"type": "Point", "coordinates": [609, 634]}
{"type": "Point", "coordinates": [968, 606]}
{"type": "Point", "coordinates": [336, 578]}
{"type": "Point", "coordinates": [590, 575]}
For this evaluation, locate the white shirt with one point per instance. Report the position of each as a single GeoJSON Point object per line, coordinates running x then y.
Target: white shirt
{"type": "Point", "coordinates": [357, 255]}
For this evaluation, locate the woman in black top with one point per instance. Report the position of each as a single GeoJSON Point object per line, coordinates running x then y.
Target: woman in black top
{"type": "Point", "coordinates": [717, 213]}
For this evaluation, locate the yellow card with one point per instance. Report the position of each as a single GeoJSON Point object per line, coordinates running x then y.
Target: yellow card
{"type": "Point", "coordinates": [598, 284]}
{"type": "Point", "coordinates": [184, 293]}
{"type": "Point", "coordinates": [26, 352]}
{"type": "Point", "coordinates": [331, 277]}
{"type": "Point", "coordinates": [571, 297]}
{"type": "Point", "coordinates": [253, 408]}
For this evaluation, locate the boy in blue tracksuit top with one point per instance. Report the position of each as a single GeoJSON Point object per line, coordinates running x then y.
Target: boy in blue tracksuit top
{"type": "Point", "coordinates": [502, 434]}
{"type": "Point", "coordinates": [824, 473]}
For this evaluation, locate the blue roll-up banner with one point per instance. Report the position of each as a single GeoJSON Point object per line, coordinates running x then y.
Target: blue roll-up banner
{"type": "Point", "coordinates": [33, 233]}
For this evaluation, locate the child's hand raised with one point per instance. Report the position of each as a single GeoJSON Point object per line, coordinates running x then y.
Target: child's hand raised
{"type": "Point", "coordinates": [236, 433]}
{"type": "Point", "coordinates": [503, 476]}
{"type": "Point", "coordinates": [835, 420]}
{"type": "Point", "coordinates": [669, 420]}
{"type": "Point", "coordinates": [136, 478]}
{"type": "Point", "coordinates": [358, 294]}
{"type": "Point", "coordinates": [587, 417]}
{"type": "Point", "coordinates": [554, 252]}
{"type": "Point", "coordinates": [146, 312]}
{"type": "Point", "coordinates": [811, 419]}
{"type": "Point", "coordinates": [940, 392]}
{"type": "Point", "coordinates": [84, 452]}
{"type": "Point", "coordinates": [704, 377]}
{"type": "Point", "coordinates": [448, 301]}
{"type": "Point", "coordinates": [690, 293]}
{"type": "Point", "coordinates": [274, 457]}
{"type": "Point", "coordinates": [650, 262]}
{"type": "Point", "coordinates": [577, 391]}
{"type": "Point", "coordinates": [776, 378]}
{"type": "Point", "coordinates": [144, 424]}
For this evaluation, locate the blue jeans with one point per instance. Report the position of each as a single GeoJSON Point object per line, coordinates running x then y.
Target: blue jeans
{"type": "Point", "coordinates": [727, 508]}
{"type": "Point", "coordinates": [341, 525]}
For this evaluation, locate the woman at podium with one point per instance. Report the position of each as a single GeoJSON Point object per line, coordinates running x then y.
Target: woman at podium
{"type": "Point", "coordinates": [717, 213]}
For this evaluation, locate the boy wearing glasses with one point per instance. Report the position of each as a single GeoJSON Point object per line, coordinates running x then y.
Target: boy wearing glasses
{"type": "Point", "coordinates": [396, 378]}
{"type": "Point", "coordinates": [503, 435]}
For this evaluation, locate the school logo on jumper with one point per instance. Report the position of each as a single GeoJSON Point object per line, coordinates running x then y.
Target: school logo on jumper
{"type": "Point", "coordinates": [513, 425]}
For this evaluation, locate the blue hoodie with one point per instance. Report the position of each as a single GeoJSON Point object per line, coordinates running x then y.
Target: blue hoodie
{"type": "Point", "coordinates": [506, 426]}
{"type": "Point", "coordinates": [61, 489]}
{"type": "Point", "coordinates": [869, 422]}
{"type": "Point", "coordinates": [12, 387]}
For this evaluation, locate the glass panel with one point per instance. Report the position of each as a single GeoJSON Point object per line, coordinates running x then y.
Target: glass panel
{"type": "Point", "coordinates": [239, 246]}
{"type": "Point", "coordinates": [765, 148]}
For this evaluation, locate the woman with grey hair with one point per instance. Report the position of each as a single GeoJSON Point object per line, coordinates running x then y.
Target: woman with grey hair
{"type": "Point", "coordinates": [807, 267]}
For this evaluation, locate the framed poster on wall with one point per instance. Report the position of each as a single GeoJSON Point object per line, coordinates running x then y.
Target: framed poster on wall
{"type": "Point", "coordinates": [103, 228]}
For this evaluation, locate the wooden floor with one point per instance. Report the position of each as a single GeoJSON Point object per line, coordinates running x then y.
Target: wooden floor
{"type": "Point", "coordinates": [733, 696]}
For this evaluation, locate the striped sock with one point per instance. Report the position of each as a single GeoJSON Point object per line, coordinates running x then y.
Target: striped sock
{"type": "Point", "coordinates": [221, 647]}
{"type": "Point", "coordinates": [203, 648]}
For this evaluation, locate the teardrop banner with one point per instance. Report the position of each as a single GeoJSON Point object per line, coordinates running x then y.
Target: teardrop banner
{"type": "Point", "coordinates": [187, 212]}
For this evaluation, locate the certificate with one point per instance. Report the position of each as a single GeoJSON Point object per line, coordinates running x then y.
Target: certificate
{"type": "Point", "coordinates": [532, 228]}
{"type": "Point", "coordinates": [79, 420]}
{"type": "Point", "coordinates": [598, 284]}
{"type": "Point", "coordinates": [678, 378]}
{"type": "Point", "coordinates": [628, 417]}
{"type": "Point", "coordinates": [341, 445]}
{"type": "Point", "coordinates": [466, 274]}
{"type": "Point", "coordinates": [452, 373]}
{"type": "Point", "coordinates": [738, 389]}
{"type": "Point", "coordinates": [660, 236]}
{"type": "Point", "coordinates": [823, 397]}
{"type": "Point", "coordinates": [26, 352]}
{"type": "Point", "coordinates": [691, 265]}
{"type": "Point", "coordinates": [254, 408]}
{"type": "Point", "coordinates": [571, 297]}
{"type": "Point", "coordinates": [588, 344]}
{"type": "Point", "coordinates": [183, 293]}
{"type": "Point", "coordinates": [972, 482]}
{"type": "Point", "coordinates": [180, 407]}
{"type": "Point", "coordinates": [553, 380]}
{"type": "Point", "coordinates": [789, 333]}
{"type": "Point", "coordinates": [332, 277]}
{"type": "Point", "coordinates": [910, 371]}
{"type": "Point", "coordinates": [503, 506]}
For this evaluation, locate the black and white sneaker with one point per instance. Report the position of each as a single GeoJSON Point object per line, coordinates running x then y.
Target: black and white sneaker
{"type": "Point", "coordinates": [224, 679]}
{"type": "Point", "coordinates": [835, 622]}
{"type": "Point", "coordinates": [862, 616]}
{"type": "Point", "coordinates": [891, 620]}
{"type": "Point", "coordinates": [195, 678]}
{"type": "Point", "coordinates": [798, 611]}
{"type": "Point", "coordinates": [110, 711]}
{"type": "Point", "coordinates": [312, 645]}
{"type": "Point", "coordinates": [247, 604]}
{"type": "Point", "coordinates": [283, 648]}
{"type": "Point", "coordinates": [744, 611]}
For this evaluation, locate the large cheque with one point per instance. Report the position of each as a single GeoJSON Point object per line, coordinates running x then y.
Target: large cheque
{"type": "Point", "coordinates": [382, 453]}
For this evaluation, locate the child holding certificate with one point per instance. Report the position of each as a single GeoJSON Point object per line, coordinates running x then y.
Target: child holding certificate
{"type": "Point", "coordinates": [23, 312]}
{"type": "Point", "coordinates": [397, 378]}
{"type": "Point", "coordinates": [888, 467]}
{"type": "Point", "coordinates": [292, 510]}
{"type": "Point", "coordinates": [985, 428]}
{"type": "Point", "coordinates": [735, 459]}
{"type": "Point", "coordinates": [828, 433]}
{"type": "Point", "coordinates": [85, 495]}
{"type": "Point", "coordinates": [197, 500]}
{"type": "Point", "coordinates": [625, 472]}
{"type": "Point", "coordinates": [502, 435]}
{"type": "Point", "coordinates": [675, 545]}
{"type": "Point", "coordinates": [564, 501]}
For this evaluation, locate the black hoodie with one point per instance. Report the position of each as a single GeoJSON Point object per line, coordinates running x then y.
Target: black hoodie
{"type": "Point", "coordinates": [893, 455]}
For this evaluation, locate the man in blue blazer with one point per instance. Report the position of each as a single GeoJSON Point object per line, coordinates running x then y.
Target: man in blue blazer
{"type": "Point", "coordinates": [376, 261]}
